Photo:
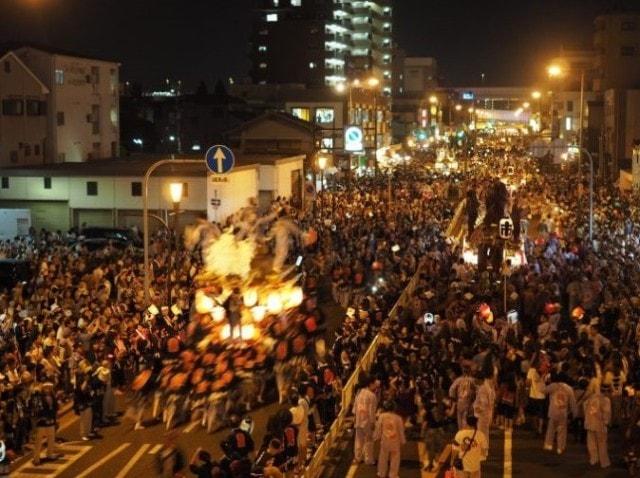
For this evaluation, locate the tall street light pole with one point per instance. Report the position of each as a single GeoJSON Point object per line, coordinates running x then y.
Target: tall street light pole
{"type": "Point", "coordinates": [145, 216]}
{"type": "Point", "coordinates": [175, 190]}
{"type": "Point", "coordinates": [581, 126]}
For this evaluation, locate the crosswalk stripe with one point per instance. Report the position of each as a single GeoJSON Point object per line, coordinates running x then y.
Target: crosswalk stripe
{"type": "Point", "coordinates": [53, 469]}
{"type": "Point", "coordinates": [130, 464]}
{"type": "Point", "coordinates": [103, 460]}
{"type": "Point", "coordinates": [155, 449]}
{"type": "Point", "coordinates": [191, 426]}
{"type": "Point", "coordinates": [508, 459]}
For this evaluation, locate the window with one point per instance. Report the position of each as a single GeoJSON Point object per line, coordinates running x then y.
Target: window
{"type": "Point", "coordinates": [12, 107]}
{"type": "Point", "coordinates": [113, 80]}
{"type": "Point", "coordinates": [276, 3]}
{"type": "Point", "coordinates": [301, 113]}
{"type": "Point", "coordinates": [36, 149]}
{"type": "Point", "coordinates": [262, 48]}
{"type": "Point", "coordinates": [113, 114]}
{"type": "Point", "coordinates": [136, 188]}
{"type": "Point", "coordinates": [262, 65]}
{"type": "Point", "coordinates": [185, 190]}
{"type": "Point", "coordinates": [60, 118]}
{"type": "Point", "coordinates": [92, 188]}
{"type": "Point", "coordinates": [263, 32]}
{"type": "Point", "coordinates": [627, 50]}
{"type": "Point", "coordinates": [7, 66]}
{"type": "Point", "coordinates": [312, 65]}
{"type": "Point", "coordinates": [59, 77]}
{"type": "Point", "coordinates": [35, 108]}
{"type": "Point", "coordinates": [272, 17]}
{"type": "Point", "coordinates": [95, 75]}
{"type": "Point", "coordinates": [47, 183]}
{"type": "Point", "coordinates": [569, 106]}
{"type": "Point", "coordinates": [324, 115]}
{"type": "Point", "coordinates": [296, 3]}
{"type": "Point", "coordinates": [95, 119]}
{"type": "Point", "coordinates": [27, 150]}
{"type": "Point", "coordinates": [629, 26]}
{"type": "Point", "coordinates": [5, 182]}
{"type": "Point", "coordinates": [568, 123]}
{"type": "Point", "coordinates": [327, 143]}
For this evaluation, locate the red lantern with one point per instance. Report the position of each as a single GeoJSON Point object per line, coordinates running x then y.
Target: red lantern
{"type": "Point", "coordinates": [484, 311]}
{"type": "Point", "coordinates": [549, 308]}
{"type": "Point", "coordinates": [376, 266]}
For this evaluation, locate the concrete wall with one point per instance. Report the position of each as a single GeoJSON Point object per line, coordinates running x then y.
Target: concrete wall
{"type": "Point", "coordinates": [23, 135]}
{"type": "Point", "coordinates": [234, 190]}
{"type": "Point", "coordinates": [283, 171]}
{"type": "Point", "coordinates": [80, 90]}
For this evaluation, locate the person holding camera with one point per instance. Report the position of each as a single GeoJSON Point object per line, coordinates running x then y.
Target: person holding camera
{"type": "Point", "coordinates": [469, 450]}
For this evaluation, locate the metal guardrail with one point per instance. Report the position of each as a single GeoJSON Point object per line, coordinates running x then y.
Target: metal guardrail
{"type": "Point", "coordinates": [364, 364]}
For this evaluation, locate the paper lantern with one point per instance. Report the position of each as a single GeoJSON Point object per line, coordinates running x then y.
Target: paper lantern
{"type": "Point", "coordinates": [247, 332]}
{"type": "Point", "coordinates": [296, 296]}
{"type": "Point", "coordinates": [218, 313]}
{"type": "Point", "coordinates": [225, 332]}
{"type": "Point", "coordinates": [376, 266]}
{"type": "Point", "coordinates": [204, 303]}
{"type": "Point", "coordinates": [250, 297]}
{"type": "Point", "coordinates": [274, 303]}
{"type": "Point", "coordinates": [549, 308]}
{"type": "Point", "coordinates": [258, 313]}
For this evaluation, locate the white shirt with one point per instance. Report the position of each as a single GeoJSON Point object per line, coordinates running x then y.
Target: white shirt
{"type": "Point", "coordinates": [473, 451]}
{"type": "Point", "coordinates": [537, 384]}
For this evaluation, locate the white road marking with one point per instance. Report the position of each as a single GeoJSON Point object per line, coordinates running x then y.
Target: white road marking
{"type": "Point", "coordinates": [71, 455]}
{"type": "Point", "coordinates": [155, 449]}
{"type": "Point", "coordinates": [130, 464]}
{"type": "Point", "coordinates": [508, 459]}
{"type": "Point", "coordinates": [103, 460]}
{"type": "Point", "coordinates": [191, 426]}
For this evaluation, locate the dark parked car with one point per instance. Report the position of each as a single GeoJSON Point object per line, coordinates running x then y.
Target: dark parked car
{"type": "Point", "coordinates": [96, 237]}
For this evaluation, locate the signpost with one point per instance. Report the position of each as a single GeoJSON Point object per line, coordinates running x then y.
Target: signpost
{"type": "Point", "coordinates": [220, 159]}
{"type": "Point", "coordinates": [353, 139]}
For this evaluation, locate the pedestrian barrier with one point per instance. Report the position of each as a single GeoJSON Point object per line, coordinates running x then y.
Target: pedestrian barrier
{"type": "Point", "coordinates": [316, 464]}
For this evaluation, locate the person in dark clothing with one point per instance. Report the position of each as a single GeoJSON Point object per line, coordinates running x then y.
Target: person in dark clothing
{"type": "Point", "coordinates": [45, 406]}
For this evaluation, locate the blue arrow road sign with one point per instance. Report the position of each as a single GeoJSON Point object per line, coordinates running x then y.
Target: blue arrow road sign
{"type": "Point", "coordinates": [220, 159]}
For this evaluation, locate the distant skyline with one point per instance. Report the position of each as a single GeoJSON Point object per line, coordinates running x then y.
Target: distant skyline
{"type": "Point", "coordinates": [193, 40]}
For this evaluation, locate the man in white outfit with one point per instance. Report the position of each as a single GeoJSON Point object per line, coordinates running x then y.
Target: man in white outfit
{"type": "Point", "coordinates": [561, 401]}
{"type": "Point", "coordinates": [483, 406]}
{"type": "Point", "coordinates": [462, 390]}
{"type": "Point", "coordinates": [597, 416]}
{"type": "Point", "coordinates": [390, 431]}
{"type": "Point", "coordinates": [364, 410]}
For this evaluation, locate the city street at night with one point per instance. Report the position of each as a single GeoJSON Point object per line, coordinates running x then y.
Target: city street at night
{"type": "Point", "coordinates": [319, 239]}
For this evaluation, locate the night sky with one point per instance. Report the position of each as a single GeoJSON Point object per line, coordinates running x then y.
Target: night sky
{"type": "Point", "coordinates": [508, 40]}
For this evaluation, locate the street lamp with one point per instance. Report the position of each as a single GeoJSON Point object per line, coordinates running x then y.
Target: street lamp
{"type": "Point", "coordinates": [175, 192]}
{"type": "Point", "coordinates": [322, 164]}
{"type": "Point", "coordinates": [555, 71]}
{"type": "Point", "coordinates": [536, 95]}
{"type": "Point", "coordinates": [458, 107]}
{"type": "Point", "coordinates": [433, 99]}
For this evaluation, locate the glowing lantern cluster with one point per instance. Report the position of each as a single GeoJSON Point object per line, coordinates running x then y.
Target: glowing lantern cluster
{"type": "Point", "coordinates": [204, 303]}
{"type": "Point", "coordinates": [577, 313]}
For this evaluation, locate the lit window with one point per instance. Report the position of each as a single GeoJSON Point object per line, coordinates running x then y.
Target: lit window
{"type": "Point", "coordinates": [568, 123]}
{"type": "Point", "coordinates": [301, 113]}
{"type": "Point", "coordinates": [327, 143]}
{"type": "Point", "coordinates": [324, 115]}
{"type": "Point", "coordinates": [262, 48]}
{"type": "Point", "coordinates": [312, 65]}
{"type": "Point", "coordinates": [272, 17]}
{"type": "Point", "coordinates": [196, 147]}
{"type": "Point", "coordinates": [296, 3]}
{"type": "Point", "coordinates": [263, 65]}
{"type": "Point", "coordinates": [59, 77]}
{"type": "Point", "coordinates": [276, 3]}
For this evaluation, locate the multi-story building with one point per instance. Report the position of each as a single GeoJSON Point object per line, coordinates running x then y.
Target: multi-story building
{"type": "Point", "coordinates": [617, 46]}
{"type": "Point", "coordinates": [82, 105]}
{"type": "Point", "coordinates": [326, 41]}
{"type": "Point", "coordinates": [23, 124]}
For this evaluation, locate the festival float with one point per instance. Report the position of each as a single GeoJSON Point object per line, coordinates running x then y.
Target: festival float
{"type": "Point", "coordinates": [249, 313]}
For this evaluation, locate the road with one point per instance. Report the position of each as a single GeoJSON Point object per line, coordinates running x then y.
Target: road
{"type": "Point", "coordinates": [123, 452]}
{"type": "Point", "coordinates": [526, 459]}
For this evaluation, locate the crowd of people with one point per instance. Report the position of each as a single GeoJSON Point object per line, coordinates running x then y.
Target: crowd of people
{"type": "Point", "coordinates": [452, 362]}
{"type": "Point", "coordinates": [562, 357]}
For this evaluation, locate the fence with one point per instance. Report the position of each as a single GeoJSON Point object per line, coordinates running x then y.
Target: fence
{"type": "Point", "coordinates": [364, 364]}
